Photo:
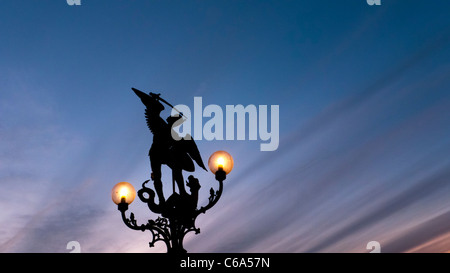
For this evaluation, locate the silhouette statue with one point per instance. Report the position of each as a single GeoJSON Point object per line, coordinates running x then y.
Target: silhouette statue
{"type": "Point", "coordinates": [178, 155]}
{"type": "Point", "coordinates": [179, 212]}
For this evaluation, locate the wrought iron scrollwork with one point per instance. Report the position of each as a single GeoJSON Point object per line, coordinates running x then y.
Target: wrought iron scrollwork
{"type": "Point", "coordinates": [175, 222]}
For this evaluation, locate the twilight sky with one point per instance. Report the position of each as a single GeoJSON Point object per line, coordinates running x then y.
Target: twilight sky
{"type": "Point", "coordinates": [364, 99]}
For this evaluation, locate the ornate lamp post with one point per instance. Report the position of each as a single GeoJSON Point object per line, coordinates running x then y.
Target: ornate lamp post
{"type": "Point", "coordinates": [179, 212]}
{"type": "Point", "coordinates": [177, 219]}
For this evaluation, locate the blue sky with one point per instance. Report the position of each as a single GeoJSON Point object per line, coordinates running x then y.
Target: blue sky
{"type": "Point", "coordinates": [363, 93]}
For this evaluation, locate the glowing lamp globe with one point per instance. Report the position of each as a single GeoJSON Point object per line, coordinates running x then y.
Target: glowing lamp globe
{"type": "Point", "coordinates": [220, 160]}
{"type": "Point", "coordinates": [123, 192]}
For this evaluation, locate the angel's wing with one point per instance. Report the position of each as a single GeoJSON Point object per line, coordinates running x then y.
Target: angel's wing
{"type": "Point", "coordinates": [155, 123]}
{"type": "Point", "coordinates": [147, 100]}
{"type": "Point", "coordinates": [153, 108]}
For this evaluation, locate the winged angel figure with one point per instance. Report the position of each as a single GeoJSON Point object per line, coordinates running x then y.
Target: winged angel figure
{"type": "Point", "coordinates": [177, 154]}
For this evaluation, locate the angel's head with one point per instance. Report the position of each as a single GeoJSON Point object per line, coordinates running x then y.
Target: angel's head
{"type": "Point", "coordinates": [155, 105]}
